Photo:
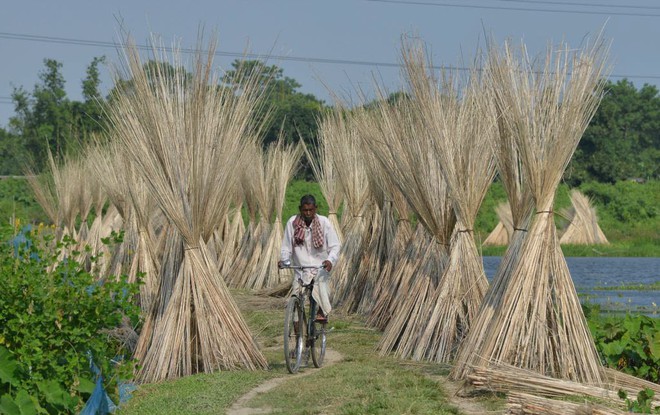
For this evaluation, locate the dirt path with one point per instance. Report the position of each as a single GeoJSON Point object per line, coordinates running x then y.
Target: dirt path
{"type": "Point", "coordinates": [239, 407]}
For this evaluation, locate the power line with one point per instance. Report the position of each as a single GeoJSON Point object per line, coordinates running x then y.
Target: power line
{"type": "Point", "coordinates": [566, 3]}
{"type": "Point", "coordinates": [307, 59]}
{"type": "Point", "coordinates": [524, 9]}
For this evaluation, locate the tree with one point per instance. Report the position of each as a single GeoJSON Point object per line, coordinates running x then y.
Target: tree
{"type": "Point", "coordinates": [88, 115]}
{"type": "Point", "coordinates": [292, 113]}
{"type": "Point", "coordinates": [43, 118]}
{"type": "Point", "coordinates": [623, 139]}
{"type": "Point", "coordinates": [47, 120]}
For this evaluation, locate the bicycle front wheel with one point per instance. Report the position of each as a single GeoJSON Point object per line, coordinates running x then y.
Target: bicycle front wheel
{"type": "Point", "coordinates": [293, 335]}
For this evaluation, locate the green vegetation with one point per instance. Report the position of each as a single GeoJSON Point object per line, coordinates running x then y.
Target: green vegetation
{"type": "Point", "coordinates": [630, 344]}
{"type": "Point", "coordinates": [641, 405]}
{"type": "Point", "coordinates": [17, 202]}
{"type": "Point", "coordinates": [54, 318]}
{"type": "Point", "coordinates": [655, 286]}
{"type": "Point", "coordinates": [628, 215]}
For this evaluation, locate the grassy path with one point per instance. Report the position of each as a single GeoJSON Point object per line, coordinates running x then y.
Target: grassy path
{"type": "Point", "coordinates": [353, 380]}
{"type": "Point", "coordinates": [241, 407]}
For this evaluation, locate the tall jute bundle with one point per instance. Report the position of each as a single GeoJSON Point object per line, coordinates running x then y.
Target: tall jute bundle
{"type": "Point", "coordinates": [107, 164]}
{"type": "Point", "coordinates": [516, 215]}
{"type": "Point", "coordinates": [339, 132]}
{"type": "Point", "coordinates": [57, 192]}
{"type": "Point", "coordinates": [404, 148]}
{"type": "Point", "coordinates": [460, 122]}
{"type": "Point", "coordinates": [538, 322]}
{"type": "Point", "coordinates": [583, 226]}
{"type": "Point", "coordinates": [248, 246]}
{"type": "Point", "coordinates": [403, 249]}
{"type": "Point", "coordinates": [389, 235]}
{"type": "Point", "coordinates": [186, 138]}
{"type": "Point", "coordinates": [279, 165]}
{"type": "Point", "coordinates": [285, 160]}
{"type": "Point", "coordinates": [325, 172]}
{"type": "Point", "coordinates": [252, 254]}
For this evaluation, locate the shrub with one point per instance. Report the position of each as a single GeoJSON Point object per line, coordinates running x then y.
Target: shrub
{"type": "Point", "coordinates": [630, 344]}
{"type": "Point", "coordinates": [53, 316]}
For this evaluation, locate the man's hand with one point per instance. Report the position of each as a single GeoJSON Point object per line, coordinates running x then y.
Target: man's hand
{"type": "Point", "coordinates": [327, 265]}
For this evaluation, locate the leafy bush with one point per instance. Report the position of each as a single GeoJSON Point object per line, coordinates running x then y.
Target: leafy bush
{"type": "Point", "coordinates": [630, 344]}
{"type": "Point", "coordinates": [54, 317]}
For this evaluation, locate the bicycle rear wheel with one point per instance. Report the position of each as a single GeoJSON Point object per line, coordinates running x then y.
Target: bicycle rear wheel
{"type": "Point", "coordinates": [293, 335]}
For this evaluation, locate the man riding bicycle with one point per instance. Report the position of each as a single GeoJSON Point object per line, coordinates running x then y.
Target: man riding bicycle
{"type": "Point", "coordinates": [310, 240]}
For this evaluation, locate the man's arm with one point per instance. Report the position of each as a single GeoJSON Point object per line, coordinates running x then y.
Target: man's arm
{"type": "Point", "coordinates": [287, 245]}
{"type": "Point", "coordinates": [333, 243]}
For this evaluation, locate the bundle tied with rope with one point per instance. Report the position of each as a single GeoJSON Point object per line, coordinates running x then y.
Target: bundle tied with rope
{"type": "Point", "coordinates": [185, 137]}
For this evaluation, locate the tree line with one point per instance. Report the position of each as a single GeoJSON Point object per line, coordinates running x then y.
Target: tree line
{"type": "Point", "coordinates": [622, 141]}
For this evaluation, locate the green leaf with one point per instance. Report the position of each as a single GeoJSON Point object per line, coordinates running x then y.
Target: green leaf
{"type": "Point", "coordinates": [654, 345]}
{"type": "Point", "coordinates": [86, 385]}
{"type": "Point", "coordinates": [613, 349]}
{"type": "Point", "coordinates": [8, 366]}
{"type": "Point", "coordinates": [8, 406]}
{"type": "Point", "coordinates": [54, 393]}
{"type": "Point", "coordinates": [27, 404]}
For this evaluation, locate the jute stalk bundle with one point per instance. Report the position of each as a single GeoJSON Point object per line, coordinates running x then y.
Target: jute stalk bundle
{"type": "Point", "coordinates": [187, 138]}
{"type": "Point", "coordinates": [231, 242]}
{"type": "Point", "coordinates": [515, 216]}
{"type": "Point", "coordinates": [338, 131]}
{"type": "Point", "coordinates": [525, 404]}
{"type": "Point", "coordinates": [284, 164]}
{"type": "Point", "coordinates": [403, 248]}
{"type": "Point", "coordinates": [458, 128]}
{"type": "Point", "coordinates": [93, 154]}
{"type": "Point", "coordinates": [501, 235]}
{"type": "Point", "coordinates": [389, 278]}
{"type": "Point", "coordinates": [509, 379]}
{"type": "Point", "coordinates": [321, 160]}
{"type": "Point", "coordinates": [278, 168]}
{"type": "Point", "coordinates": [248, 246]}
{"type": "Point", "coordinates": [377, 231]}
{"type": "Point", "coordinates": [403, 147]}
{"type": "Point", "coordinates": [107, 165]}
{"type": "Point", "coordinates": [539, 323]}
{"type": "Point", "coordinates": [254, 253]}
{"type": "Point", "coordinates": [583, 228]}
{"type": "Point", "coordinates": [57, 191]}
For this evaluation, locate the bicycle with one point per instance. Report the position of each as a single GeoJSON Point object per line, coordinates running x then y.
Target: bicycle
{"type": "Point", "coordinates": [310, 336]}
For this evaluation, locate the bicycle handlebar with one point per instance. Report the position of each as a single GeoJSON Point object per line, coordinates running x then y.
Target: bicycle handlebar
{"type": "Point", "coordinates": [301, 267]}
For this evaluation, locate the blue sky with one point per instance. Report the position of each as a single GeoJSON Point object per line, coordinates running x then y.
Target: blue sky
{"type": "Point", "coordinates": [73, 32]}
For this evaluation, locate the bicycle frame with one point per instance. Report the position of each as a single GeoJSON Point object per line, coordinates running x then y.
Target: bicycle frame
{"type": "Point", "coordinates": [306, 323]}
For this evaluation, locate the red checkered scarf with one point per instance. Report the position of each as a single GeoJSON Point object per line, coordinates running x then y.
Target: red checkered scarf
{"type": "Point", "coordinates": [299, 231]}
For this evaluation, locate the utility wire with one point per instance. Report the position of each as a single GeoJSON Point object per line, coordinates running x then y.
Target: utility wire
{"type": "Point", "coordinates": [307, 59]}
{"type": "Point", "coordinates": [523, 9]}
{"type": "Point", "coordinates": [566, 3]}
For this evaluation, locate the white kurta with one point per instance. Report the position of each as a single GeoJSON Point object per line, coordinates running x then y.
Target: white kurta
{"type": "Point", "coordinates": [307, 256]}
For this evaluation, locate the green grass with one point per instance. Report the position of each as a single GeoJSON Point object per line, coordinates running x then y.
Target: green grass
{"type": "Point", "coordinates": [199, 394]}
{"type": "Point", "coordinates": [655, 286]}
{"type": "Point", "coordinates": [362, 383]}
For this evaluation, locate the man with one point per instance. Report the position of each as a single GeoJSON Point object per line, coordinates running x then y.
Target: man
{"type": "Point", "coordinates": [310, 240]}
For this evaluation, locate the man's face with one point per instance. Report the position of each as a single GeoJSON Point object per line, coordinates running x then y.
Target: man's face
{"type": "Point", "coordinates": [308, 211]}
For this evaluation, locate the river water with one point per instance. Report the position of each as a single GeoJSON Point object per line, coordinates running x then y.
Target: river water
{"type": "Point", "coordinates": [591, 273]}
